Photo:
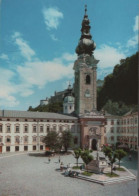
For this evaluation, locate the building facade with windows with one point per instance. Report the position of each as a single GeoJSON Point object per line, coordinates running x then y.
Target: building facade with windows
{"type": "Point", "coordinates": [122, 130]}
{"type": "Point", "coordinates": [24, 131]}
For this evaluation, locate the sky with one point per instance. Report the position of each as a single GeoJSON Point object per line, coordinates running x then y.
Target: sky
{"type": "Point", "coordinates": [38, 40]}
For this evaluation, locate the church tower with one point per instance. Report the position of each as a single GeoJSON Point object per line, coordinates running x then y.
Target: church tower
{"type": "Point", "coordinates": [85, 71]}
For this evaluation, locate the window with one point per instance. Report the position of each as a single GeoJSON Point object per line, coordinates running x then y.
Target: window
{"type": "Point", "coordinates": [118, 122]}
{"type": "Point", "coordinates": [8, 119]}
{"type": "Point", "coordinates": [88, 80]}
{"type": "Point", "coordinates": [25, 148]}
{"type": "Point", "coordinates": [41, 139]}
{"type": "Point", "coordinates": [112, 122]}
{"type": "Point", "coordinates": [48, 128]}
{"type": "Point", "coordinates": [26, 119]}
{"type": "Point", "coordinates": [41, 147]}
{"type": "Point", "coordinates": [0, 128]}
{"type": "Point", "coordinates": [41, 129]}
{"type": "Point", "coordinates": [34, 147]}
{"type": "Point", "coordinates": [54, 127]}
{"type": "Point", "coordinates": [26, 129]}
{"type": "Point", "coordinates": [25, 139]}
{"type": "Point", "coordinates": [112, 130]}
{"type": "Point", "coordinates": [17, 140]}
{"type": "Point", "coordinates": [34, 139]}
{"type": "Point", "coordinates": [17, 119]}
{"type": "Point", "coordinates": [8, 139]}
{"type": "Point", "coordinates": [8, 129]}
{"type": "Point", "coordinates": [34, 129]}
{"type": "Point", "coordinates": [7, 148]}
{"type": "Point", "coordinates": [75, 140]}
{"type": "Point", "coordinates": [0, 139]}
{"type": "Point", "coordinates": [16, 148]}
{"type": "Point", "coordinates": [17, 129]}
{"type": "Point", "coordinates": [112, 138]}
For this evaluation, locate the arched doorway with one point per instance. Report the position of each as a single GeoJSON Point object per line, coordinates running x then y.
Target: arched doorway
{"type": "Point", "coordinates": [94, 144]}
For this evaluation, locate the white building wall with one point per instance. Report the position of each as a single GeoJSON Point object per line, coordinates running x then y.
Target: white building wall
{"type": "Point", "coordinates": [70, 125]}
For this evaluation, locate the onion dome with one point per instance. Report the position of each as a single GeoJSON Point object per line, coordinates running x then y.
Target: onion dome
{"type": "Point", "coordinates": [86, 45]}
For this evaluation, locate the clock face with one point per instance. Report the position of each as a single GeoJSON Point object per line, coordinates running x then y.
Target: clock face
{"type": "Point", "coordinates": [94, 131]}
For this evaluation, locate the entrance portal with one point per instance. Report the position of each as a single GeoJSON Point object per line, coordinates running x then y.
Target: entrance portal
{"type": "Point", "coordinates": [94, 144]}
{"type": "Point", "coordinates": [0, 149]}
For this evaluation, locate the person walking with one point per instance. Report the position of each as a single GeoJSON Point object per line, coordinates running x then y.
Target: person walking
{"type": "Point", "coordinates": [59, 159]}
{"type": "Point", "coordinates": [61, 166]}
{"type": "Point", "coordinates": [49, 159]}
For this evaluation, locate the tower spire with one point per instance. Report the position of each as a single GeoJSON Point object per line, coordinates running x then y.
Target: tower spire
{"type": "Point", "coordinates": [85, 9]}
{"type": "Point", "coordinates": [86, 45]}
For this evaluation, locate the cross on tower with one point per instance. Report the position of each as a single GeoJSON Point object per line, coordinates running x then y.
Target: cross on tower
{"type": "Point", "coordinates": [85, 9]}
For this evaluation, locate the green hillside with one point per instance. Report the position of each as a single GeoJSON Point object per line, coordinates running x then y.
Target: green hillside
{"type": "Point", "coordinates": [122, 85]}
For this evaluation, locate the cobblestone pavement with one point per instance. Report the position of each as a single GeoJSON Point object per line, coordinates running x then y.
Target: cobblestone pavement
{"type": "Point", "coordinates": [32, 175]}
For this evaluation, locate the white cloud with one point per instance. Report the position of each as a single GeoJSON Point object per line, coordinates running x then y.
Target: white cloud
{"type": "Point", "coordinates": [4, 56]}
{"type": "Point", "coordinates": [108, 56]}
{"type": "Point", "coordinates": [53, 37]}
{"type": "Point", "coordinates": [36, 73]}
{"type": "Point", "coordinates": [133, 41]}
{"type": "Point", "coordinates": [69, 57]}
{"type": "Point", "coordinates": [7, 89]}
{"type": "Point", "coordinates": [52, 17]}
{"type": "Point", "coordinates": [23, 46]}
{"type": "Point", "coordinates": [136, 25]}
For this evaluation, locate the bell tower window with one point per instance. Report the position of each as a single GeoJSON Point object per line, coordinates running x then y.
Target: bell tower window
{"type": "Point", "coordinates": [88, 79]}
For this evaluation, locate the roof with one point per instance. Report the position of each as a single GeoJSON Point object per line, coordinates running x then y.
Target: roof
{"type": "Point", "coordinates": [29, 114]}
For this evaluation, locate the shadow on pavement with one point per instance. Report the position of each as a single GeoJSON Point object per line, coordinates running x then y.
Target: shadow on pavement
{"type": "Point", "coordinates": [37, 154]}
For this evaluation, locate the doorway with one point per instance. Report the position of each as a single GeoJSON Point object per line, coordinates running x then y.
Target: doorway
{"type": "Point", "coordinates": [0, 149]}
{"type": "Point", "coordinates": [94, 144]}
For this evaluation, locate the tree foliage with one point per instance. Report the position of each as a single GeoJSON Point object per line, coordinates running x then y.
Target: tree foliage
{"type": "Point", "coordinates": [122, 84]}
{"type": "Point", "coordinates": [116, 108]}
{"type": "Point", "coordinates": [52, 140]}
{"type": "Point", "coordinates": [51, 107]}
{"type": "Point", "coordinates": [106, 150]}
{"type": "Point", "coordinates": [66, 139]}
{"type": "Point", "coordinates": [86, 156]}
{"type": "Point", "coordinates": [56, 141]}
{"type": "Point", "coordinates": [77, 154]}
{"type": "Point", "coordinates": [120, 155]}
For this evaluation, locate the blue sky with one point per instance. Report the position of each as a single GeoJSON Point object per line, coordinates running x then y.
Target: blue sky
{"type": "Point", "coordinates": [38, 40]}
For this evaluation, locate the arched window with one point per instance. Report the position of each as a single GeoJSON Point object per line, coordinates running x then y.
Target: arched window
{"type": "Point", "coordinates": [88, 79]}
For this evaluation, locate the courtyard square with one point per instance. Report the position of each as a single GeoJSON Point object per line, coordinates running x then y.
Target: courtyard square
{"type": "Point", "coordinates": [32, 175]}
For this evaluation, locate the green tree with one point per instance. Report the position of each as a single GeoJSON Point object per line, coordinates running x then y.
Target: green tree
{"type": "Point", "coordinates": [77, 154]}
{"type": "Point", "coordinates": [66, 139]}
{"type": "Point", "coordinates": [52, 140]}
{"type": "Point", "coordinates": [120, 155]}
{"type": "Point", "coordinates": [51, 107]}
{"type": "Point", "coordinates": [86, 157]}
{"type": "Point", "coordinates": [106, 150]}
